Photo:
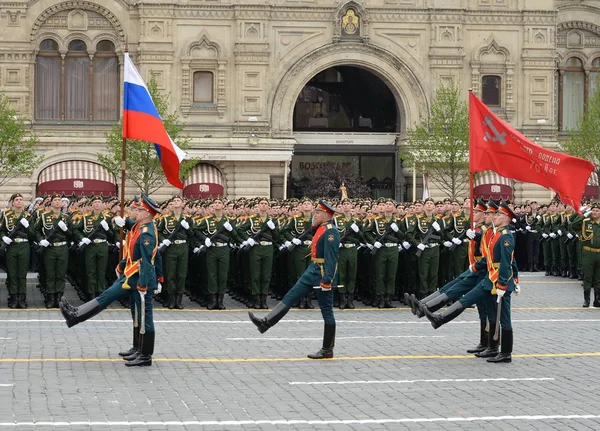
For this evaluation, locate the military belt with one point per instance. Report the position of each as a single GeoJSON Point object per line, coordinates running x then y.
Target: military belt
{"type": "Point", "coordinates": [220, 244]}
{"type": "Point", "coordinates": [179, 241]}
{"type": "Point", "coordinates": [593, 250]}
{"type": "Point", "coordinates": [58, 244]}
{"type": "Point", "coordinates": [391, 244]}
{"type": "Point", "coordinates": [318, 259]}
{"type": "Point", "coordinates": [98, 241]}
{"type": "Point", "coordinates": [431, 245]}
{"type": "Point", "coordinates": [349, 245]}
{"type": "Point", "coordinates": [307, 242]}
{"type": "Point", "coordinates": [17, 240]}
{"type": "Point", "coordinates": [533, 231]}
{"type": "Point", "coordinates": [265, 243]}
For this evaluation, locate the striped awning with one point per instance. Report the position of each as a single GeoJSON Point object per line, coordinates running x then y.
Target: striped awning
{"type": "Point", "coordinates": [593, 181]}
{"type": "Point", "coordinates": [76, 177]}
{"type": "Point", "coordinates": [489, 178]}
{"type": "Point", "coordinates": [205, 181]}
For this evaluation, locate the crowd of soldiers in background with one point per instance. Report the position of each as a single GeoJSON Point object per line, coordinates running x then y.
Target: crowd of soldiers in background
{"type": "Point", "coordinates": [255, 248]}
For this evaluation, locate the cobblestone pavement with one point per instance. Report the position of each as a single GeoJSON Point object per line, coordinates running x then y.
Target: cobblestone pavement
{"type": "Point", "coordinates": [214, 371]}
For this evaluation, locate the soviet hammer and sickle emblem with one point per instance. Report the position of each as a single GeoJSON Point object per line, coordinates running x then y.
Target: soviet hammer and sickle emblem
{"type": "Point", "coordinates": [498, 137]}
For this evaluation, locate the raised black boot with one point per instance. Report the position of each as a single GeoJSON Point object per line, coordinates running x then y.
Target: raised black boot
{"type": "Point", "coordinates": [178, 301]}
{"type": "Point", "coordinates": [492, 348]}
{"type": "Point", "coordinates": [483, 338]}
{"type": "Point", "coordinates": [586, 299]}
{"type": "Point", "coordinates": [432, 305]}
{"type": "Point", "coordinates": [505, 349]}
{"type": "Point", "coordinates": [438, 319]}
{"type": "Point", "coordinates": [80, 314]}
{"type": "Point", "coordinates": [326, 351]}
{"type": "Point", "coordinates": [212, 302]}
{"type": "Point", "coordinates": [144, 359]}
{"type": "Point", "coordinates": [343, 301]}
{"type": "Point", "coordinates": [271, 319]}
{"type": "Point", "coordinates": [408, 301]}
{"type": "Point", "coordinates": [350, 301]}
{"type": "Point", "coordinates": [135, 345]}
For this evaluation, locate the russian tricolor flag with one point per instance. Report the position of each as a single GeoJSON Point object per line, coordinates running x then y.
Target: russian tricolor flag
{"type": "Point", "coordinates": [141, 121]}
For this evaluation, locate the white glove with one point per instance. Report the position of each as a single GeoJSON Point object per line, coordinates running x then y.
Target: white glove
{"type": "Point", "coordinates": [545, 235]}
{"type": "Point", "coordinates": [6, 240]}
{"type": "Point", "coordinates": [587, 213]}
{"type": "Point", "coordinates": [119, 221]}
{"type": "Point", "coordinates": [62, 226]}
{"type": "Point", "coordinates": [569, 235]}
{"type": "Point", "coordinates": [354, 227]}
{"type": "Point", "coordinates": [24, 222]}
{"type": "Point", "coordinates": [421, 246]}
{"type": "Point", "coordinates": [184, 224]}
{"type": "Point", "coordinates": [104, 225]}
{"type": "Point", "coordinates": [271, 224]}
{"type": "Point", "coordinates": [86, 241]}
{"type": "Point", "coordinates": [538, 217]}
{"type": "Point", "coordinates": [471, 268]}
{"type": "Point", "coordinates": [517, 289]}
{"type": "Point", "coordinates": [377, 244]}
{"type": "Point", "coordinates": [341, 245]}
{"type": "Point", "coordinates": [369, 246]}
{"type": "Point", "coordinates": [44, 243]}
{"type": "Point", "coordinates": [287, 244]}
{"type": "Point", "coordinates": [296, 241]}
{"type": "Point", "coordinates": [118, 244]}
{"type": "Point", "coordinates": [406, 245]}
{"type": "Point", "coordinates": [244, 243]}
{"type": "Point", "coordinates": [158, 288]}
{"type": "Point", "coordinates": [559, 232]}
{"type": "Point", "coordinates": [514, 220]}
{"type": "Point", "coordinates": [500, 293]}
{"type": "Point", "coordinates": [208, 242]}
{"type": "Point", "coordinates": [436, 226]}
{"type": "Point", "coordinates": [470, 234]}
{"type": "Point", "coordinates": [447, 244]}
{"type": "Point", "coordinates": [166, 243]}
{"type": "Point", "coordinates": [456, 241]}
{"type": "Point", "coordinates": [394, 227]}
{"type": "Point", "coordinates": [228, 226]}
{"type": "Point", "coordinates": [117, 273]}
{"type": "Point", "coordinates": [528, 227]}
{"type": "Point", "coordinates": [552, 235]}
{"type": "Point", "coordinates": [196, 250]}
{"type": "Point", "coordinates": [251, 242]}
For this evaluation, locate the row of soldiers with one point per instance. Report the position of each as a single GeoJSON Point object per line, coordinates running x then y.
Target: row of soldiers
{"type": "Point", "coordinates": [250, 247]}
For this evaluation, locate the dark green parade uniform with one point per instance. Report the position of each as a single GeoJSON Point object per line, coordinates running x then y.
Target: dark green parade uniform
{"type": "Point", "coordinates": [544, 226]}
{"type": "Point", "coordinates": [351, 238]}
{"type": "Point", "coordinates": [429, 260]}
{"type": "Point", "coordinates": [17, 254]}
{"type": "Point", "coordinates": [533, 236]}
{"type": "Point", "coordinates": [445, 260]}
{"type": "Point", "coordinates": [459, 256]}
{"type": "Point", "coordinates": [217, 255]}
{"type": "Point", "coordinates": [282, 276]}
{"type": "Point", "coordinates": [589, 231]}
{"type": "Point", "coordinates": [570, 243]}
{"type": "Point", "coordinates": [50, 231]}
{"type": "Point", "coordinates": [259, 237]}
{"type": "Point", "coordinates": [91, 233]}
{"type": "Point", "coordinates": [173, 238]}
{"type": "Point", "coordinates": [299, 259]}
{"type": "Point", "coordinates": [408, 266]}
{"type": "Point", "coordinates": [385, 236]}
{"type": "Point", "coordinates": [555, 232]}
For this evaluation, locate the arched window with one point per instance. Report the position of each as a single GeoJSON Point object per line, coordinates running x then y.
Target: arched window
{"type": "Point", "coordinates": [490, 90]}
{"type": "Point", "coordinates": [573, 94]}
{"type": "Point", "coordinates": [594, 76]}
{"type": "Point", "coordinates": [78, 87]}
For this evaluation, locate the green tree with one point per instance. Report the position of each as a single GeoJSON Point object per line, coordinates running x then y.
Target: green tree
{"type": "Point", "coordinates": [439, 145]}
{"type": "Point", "coordinates": [17, 144]}
{"type": "Point", "coordinates": [143, 167]}
{"type": "Point", "coordinates": [584, 140]}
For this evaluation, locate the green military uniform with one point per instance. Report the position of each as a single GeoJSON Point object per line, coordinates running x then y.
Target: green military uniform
{"type": "Point", "coordinates": [554, 228]}
{"type": "Point", "coordinates": [385, 236]}
{"type": "Point", "coordinates": [50, 229]}
{"type": "Point", "coordinates": [173, 237]}
{"type": "Point", "coordinates": [429, 260]}
{"type": "Point", "coordinates": [89, 228]}
{"type": "Point", "coordinates": [351, 238]}
{"type": "Point", "coordinates": [570, 243]}
{"type": "Point", "coordinates": [590, 257]}
{"type": "Point", "coordinates": [297, 226]}
{"type": "Point", "coordinates": [459, 256]}
{"type": "Point", "coordinates": [17, 254]}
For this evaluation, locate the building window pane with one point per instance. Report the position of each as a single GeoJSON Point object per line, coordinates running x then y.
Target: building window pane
{"type": "Point", "coordinates": [105, 46]}
{"type": "Point", "coordinates": [48, 45]}
{"type": "Point", "coordinates": [77, 88]}
{"type": "Point", "coordinates": [77, 45]}
{"type": "Point", "coordinates": [106, 89]}
{"type": "Point", "coordinates": [490, 90]}
{"type": "Point", "coordinates": [203, 87]}
{"type": "Point", "coordinates": [47, 88]}
{"type": "Point", "coordinates": [573, 92]}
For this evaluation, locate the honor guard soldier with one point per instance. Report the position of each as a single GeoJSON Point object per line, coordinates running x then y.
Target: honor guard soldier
{"type": "Point", "coordinates": [589, 227]}
{"type": "Point", "coordinates": [92, 232]}
{"type": "Point", "coordinates": [52, 233]}
{"type": "Point", "coordinates": [533, 237]}
{"type": "Point", "coordinates": [385, 236]}
{"type": "Point", "coordinates": [258, 233]}
{"type": "Point", "coordinates": [459, 224]}
{"type": "Point", "coordinates": [570, 242]}
{"type": "Point", "coordinates": [174, 233]}
{"type": "Point", "coordinates": [15, 230]}
{"type": "Point", "coordinates": [215, 233]}
{"type": "Point", "coordinates": [351, 238]}
{"type": "Point", "coordinates": [319, 276]}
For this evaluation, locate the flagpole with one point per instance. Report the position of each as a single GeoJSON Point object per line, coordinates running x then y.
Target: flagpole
{"type": "Point", "coordinates": [123, 166]}
{"type": "Point", "coordinates": [471, 188]}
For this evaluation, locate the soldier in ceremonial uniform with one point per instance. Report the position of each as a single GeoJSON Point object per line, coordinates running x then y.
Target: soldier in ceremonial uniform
{"type": "Point", "coordinates": [531, 220]}
{"type": "Point", "coordinates": [52, 233]}
{"type": "Point", "coordinates": [14, 230]}
{"type": "Point", "coordinates": [588, 226]}
{"type": "Point", "coordinates": [459, 224]}
{"type": "Point", "coordinates": [174, 233]}
{"type": "Point", "coordinates": [320, 275]}
{"type": "Point", "coordinates": [92, 231]}
{"type": "Point", "coordinates": [141, 277]}
{"type": "Point", "coordinates": [216, 232]}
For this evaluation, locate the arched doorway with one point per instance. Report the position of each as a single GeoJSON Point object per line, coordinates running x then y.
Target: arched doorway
{"type": "Point", "coordinates": [346, 120]}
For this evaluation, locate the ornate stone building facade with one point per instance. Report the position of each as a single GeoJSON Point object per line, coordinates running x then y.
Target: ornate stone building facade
{"type": "Point", "coordinates": [250, 79]}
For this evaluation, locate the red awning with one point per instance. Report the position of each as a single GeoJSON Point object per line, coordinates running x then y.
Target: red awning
{"type": "Point", "coordinates": [205, 181]}
{"type": "Point", "coordinates": [490, 185]}
{"type": "Point", "coordinates": [76, 177]}
{"type": "Point", "coordinates": [591, 190]}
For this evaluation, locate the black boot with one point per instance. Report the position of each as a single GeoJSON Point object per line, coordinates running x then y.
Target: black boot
{"type": "Point", "coordinates": [56, 302]}
{"type": "Point", "coordinates": [263, 303]}
{"type": "Point", "coordinates": [144, 359]}
{"type": "Point", "coordinates": [564, 273]}
{"type": "Point", "coordinates": [547, 270]}
{"type": "Point", "coordinates": [212, 302]}
{"type": "Point", "coordinates": [350, 302]}
{"type": "Point", "coordinates": [557, 271]}
{"type": "Point", "coordinates": [416, 306]}
{"type": "Point", "coordinates": [506, 347]}
{"type": "Point", "coordinates": [326, 351]}
{"type": "Point", "coordinates": [343, 301]}
{"type": "Point", "coordinates": [23, 300]}
{"type": "Point", "coordinates": [596, 298]}
{"type": "Point", "coordinates": [172, 301]}
{"type": "Point", "coordinates": [388, 302]}
{"type": "Point", "coordinates": [135, 345]}
{"type": "Point", "coordinates": [18, 301]}
{"type": "Point", "coordinates": [220, 298]}
{"type": "Point", "coordinates": [271, 319]}
{"type": "Point", "coordinates": [81, 314]}
{"type": "Point", "coordinates": [408, 301]}
{"type": "Point", "coordinates": [492, 349]}
{"type": "Point", "coordinates": [432, 305]}
{"type": "Point", "coordinates": [483, 338]}
{"type": "Point", "coordinates": [178, 301]}
{"type": "Point", "coordinates": [531, 267]}
{"type": "Point", "coordinates": [253, 301]}
{"type": "Point", "coordinates": [308, 303]}
{"type": "Point", "coordinates": [380, 301]}
{"type": "Point", "coordinates": [49, 300]}
{"type": "Point", "coordinates": [573, 273]}
{"type": "Point", "coordinates": [438, 319]}
{"type": "Point", "coordinates": [12, 300]}
{"type": "Point", "coordinates": [579, 275]}
{"type": "Point", "coordinates": [586, 299]}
